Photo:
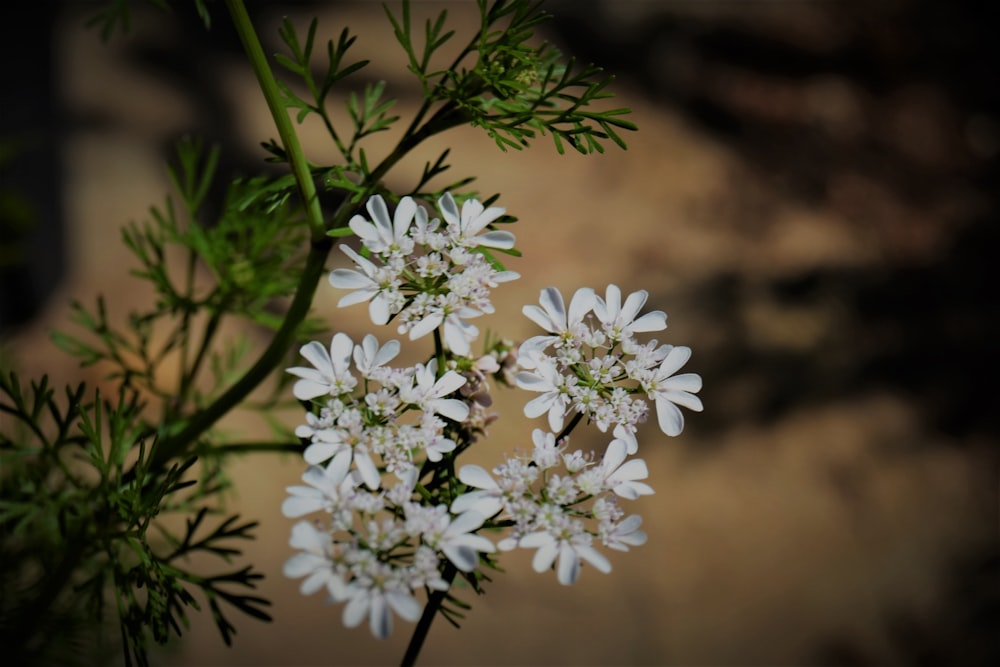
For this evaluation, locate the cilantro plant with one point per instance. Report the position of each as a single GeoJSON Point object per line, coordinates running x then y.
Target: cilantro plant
{"type": "Point", "coordinates": [109, 501]}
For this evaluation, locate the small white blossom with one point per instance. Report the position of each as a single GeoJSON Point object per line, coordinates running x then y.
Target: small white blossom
{"type": "Point", "coordinates": [554, 388]}
{"type": "Point", "coordinates": [570, 547]}
{"type": "Point", "coordinates": [464, 227]}
{"type": "Point", "coordinates": [669, 390]}
{"type": "Point", "coordinates": [620, 320]}
{"type": "Point", "coordinates": [369, 358]}
{"type": "Point", "coordinates": [378, 285]}
{"type": "Point", "coordinates": [621, 476]}
{"type": "Point", "coordinates": [382, 235]}
{"type": "Point", "coordinates": [314, 562]}
{"type": "Point", "coordinates": [330, 375]}
{"type": "Point", "coordinates": [427, 392]}
{"type": "Point", "coordinates": [375, 594]}
{"type": "Point", "coordinates": [553, 317]}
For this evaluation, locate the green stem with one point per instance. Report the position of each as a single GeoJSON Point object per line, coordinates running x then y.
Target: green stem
{"type": "Point", "coordinates": [272, 94]}
{"type": "Point", "coordinates": [434, 602]}
{"type": "Point", "coordinates": [446, 117]}
{"type": "Point", "coordinates": [175, 444]}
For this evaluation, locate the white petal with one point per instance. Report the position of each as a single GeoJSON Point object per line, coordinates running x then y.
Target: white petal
{"type": "Point", "coordinates": [305, 390]}
{"type": "Point", "coordinates": [533, 382]}
{"type": "Point", "coordinates": [452, 408]}
{"type": "Point", "coordinates": [379, 211]}
{"type": "Point", "coordinates": [582, 303]}
{"type": "Point", "coordinates": [614, 455]}
{"type": "Point", "coordinates": [369, 473]}
{"type": "Point", "coordinates": [568, 570]}
{"type": "Point", "coordinates": [653, 321]}
{"type": "Point", "coordinates": [496, 239]}
{"type": "Point", "coordinates": [378, 310]}
{"type": "Point", "coordinates": [316, 354]}
{"type": "Point", "coordinates": [633, 304]}
{"type": "Point", "coordinates": [689, 401]}
{"type": "Point", "coordinates": [685, 382]}
{"type": "Point", "coordinates": [449, 210]}
{"type": "Point", "coordinates": [676, 358]}
{"type": "Point", "coordinates": [403, 217]}
{"type": "Point", "coordinates": [296, 506]}
{"type": "Point", "coordinates": [545, 556]}
{"type": "Point", "coordinates": [483, 502]}
{"type": "Point", "coordinates": [669, 416]}
{"type": "Point", "coordinates": [379, 618]}
{"type": "Point", "coordinates": [539, 317]}
{"type": "Point", "coordinates": [595, 558]}
{"type": "Point", "coordinates": [349, 279]}
{"type": "Point", "coordinates": [475, 476]}
{"type": "Point", "coordinates": [318, 452]}
{"type": "Point", "coordinates": [555, 309]}
{"type": "Point", "coordinates": [406, 606]}
{"type": "Point", "coordinates": [465, 523]}
{"type": "Point", "coordinates": [360, 296]}
{"type": "Point", "coordinates": [538, 406]}
{"type": "Point", "coordinates": [302, 564]}
{"type": "Point", "coordinates": [355, 610]}
{"type": "Point", "coordinates": [464, 558]}
{"type": "Point", "coordinates": [631, 470]}
{"type": "Point", "coordinates": [426, 325]}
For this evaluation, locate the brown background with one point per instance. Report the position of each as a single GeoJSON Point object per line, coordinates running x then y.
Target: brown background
{"type": "Point", "coordinates": [807, 197]}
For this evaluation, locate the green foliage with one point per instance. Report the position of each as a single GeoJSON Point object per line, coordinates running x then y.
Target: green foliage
{"type": "Point", "coordinates": [514, 90]}
{"type": "Point", "coordinates": [102, 506]}
{"type": "Point", "coordinates": [81, 508]}
{"type": "Point", "coordinates": [238, 264]}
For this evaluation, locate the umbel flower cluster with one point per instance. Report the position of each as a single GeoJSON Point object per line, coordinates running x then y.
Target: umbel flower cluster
{"type": "Point", "coordinates": [385, 511]}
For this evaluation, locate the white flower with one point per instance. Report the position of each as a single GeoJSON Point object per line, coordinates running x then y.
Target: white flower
{"type": "Point", "coordinates": [447, 310]}
{"type": "Point", "coordinates": [325, 490]}
{"type": "Point", "coordinates": [546, 453]}
{"type": "Point", "coordinates": [314, 562]}
{"type": "Point", "coordinates": [427, 392]}
{"type": "Point", "coordinates": [464, 227]}
{"type": "Point", "coordinates": [375, 596]}
{"type": "Point", "coordinates": [345, 444]}
{"type": "Point", "coordinates": [570, 548]}
{"type": "Point", "coordinates": [330, 375]}
{"type": "Point", "coordinates": [554, 387]}
{"type": "Point", "coordinates": [619, 320]}
{"type": "Point", "coordinates": [452, 536]}
{"type": "Point", "coordinates": [627, 434]}
{"type": "Point", "coordinates": [621, 476]}
{"type": "Point", "coordinates": [552, 317]}
{"type": "Point", "coordinates": [667, 389]}
{"type": "Point", "coordinates": [368, 356]}
{"type": "Point", "coordinates": [374, 284]}
{"type": "Point", "coordinates": [383, 235]}
{"type": "Point", "coordinates": [620, 536]}
{"type": "Point", "coordinates": [487, 500]}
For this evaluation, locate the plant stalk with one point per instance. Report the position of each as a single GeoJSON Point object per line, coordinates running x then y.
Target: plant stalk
{"type": "Point", "coordinates": [434, 602]}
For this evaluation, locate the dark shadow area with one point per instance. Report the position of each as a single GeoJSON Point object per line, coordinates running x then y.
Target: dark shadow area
{"type": "Point", "coordinates": [885, 114]}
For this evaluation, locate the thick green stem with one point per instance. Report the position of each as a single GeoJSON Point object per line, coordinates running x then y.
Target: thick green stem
{"type": "Point", "coordinates": [272, 94]}
{"type": "Point", "coordinates": [448, 116]}
{"type": "Point", "coordinates": [175, 444]}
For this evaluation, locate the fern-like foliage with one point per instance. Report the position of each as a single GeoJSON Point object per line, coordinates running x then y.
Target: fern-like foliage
{"type": "Point", "coordinates": [81, 508]}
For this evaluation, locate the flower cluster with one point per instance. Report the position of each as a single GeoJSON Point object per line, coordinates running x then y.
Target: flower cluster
{"type": "Point", "coordinates": [557, 502]}
{"type": "Point", "coordinates": [389, 515]}
{"type": "Point", "coordinates": [379, 543]}
{"type": "Point", "coordinates": [429, 274]}
{"type": "Point", "coordinates": [591, 363]}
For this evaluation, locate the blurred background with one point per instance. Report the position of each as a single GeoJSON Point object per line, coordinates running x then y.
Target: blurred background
{"type": "Point", "coordinates": [811, 198]}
